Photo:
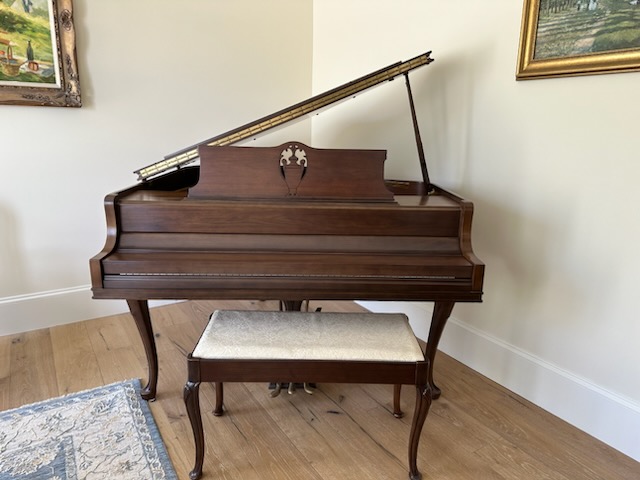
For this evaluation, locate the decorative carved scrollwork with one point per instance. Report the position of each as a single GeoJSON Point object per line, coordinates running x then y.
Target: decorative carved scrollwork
{"type": "Point", "coordinates": [66, 19]}
{"type": "Point", "coordinates": [293, 171]}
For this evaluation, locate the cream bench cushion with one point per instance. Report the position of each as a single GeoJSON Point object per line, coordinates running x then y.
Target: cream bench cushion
{"type": "Point", "coordinates": [249, 334]}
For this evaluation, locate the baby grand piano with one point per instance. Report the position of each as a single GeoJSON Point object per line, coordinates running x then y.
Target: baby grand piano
{"type": "Point", "coordinates": [288, 223]}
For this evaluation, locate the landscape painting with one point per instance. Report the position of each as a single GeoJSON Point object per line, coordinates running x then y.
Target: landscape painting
{"type": "Point", "coordinates": [27, 43]}
{"type": "Point", "coordinates": [578, 37]}
{"type": "Point", "coordinates": [37, 53]}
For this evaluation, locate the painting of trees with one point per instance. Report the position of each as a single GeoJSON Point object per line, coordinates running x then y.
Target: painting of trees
{"type": "Point", "coordinates": [579, 27]}
{"type": "Point", "coordinates": [578, 37]}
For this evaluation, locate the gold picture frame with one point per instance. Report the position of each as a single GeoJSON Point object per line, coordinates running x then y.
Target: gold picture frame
{"type": "Point", "coordinates": [595, 37]}
{"type": "Point", "coordinates": [38, 64]}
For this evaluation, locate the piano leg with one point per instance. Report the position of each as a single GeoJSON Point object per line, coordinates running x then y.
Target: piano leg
{"type": "Point", "coordinates": [140, 312]}
{"type": "Point", "coordinates": [441, 313]}
{"type": "Point", "coordinates": [423, 402]}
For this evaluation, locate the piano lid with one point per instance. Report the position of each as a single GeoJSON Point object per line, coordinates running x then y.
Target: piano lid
{"type": "Point", "coordinates": [299, 110]}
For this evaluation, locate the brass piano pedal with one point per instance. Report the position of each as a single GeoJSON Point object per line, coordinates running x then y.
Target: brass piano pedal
{"type": "Point", "coordinates": [291, 388]}
{"type": "Point", "coordinates": [305, 386]}
{"type": "Point", "coordinates": [276, 390]}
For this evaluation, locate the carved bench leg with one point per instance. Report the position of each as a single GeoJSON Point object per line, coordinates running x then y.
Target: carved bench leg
{"type": "Point", "coordinates": [423, 402]}
{"type": "Point", "coordinates": [192, 402]}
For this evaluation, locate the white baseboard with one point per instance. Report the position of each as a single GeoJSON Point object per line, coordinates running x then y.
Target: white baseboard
{"type": "Point", "coordinates": [603, 414]}
{"type": "Point", "coordinates": [23, 313]}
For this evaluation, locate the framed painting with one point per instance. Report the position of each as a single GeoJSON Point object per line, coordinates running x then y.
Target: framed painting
{"type": "Point", "coordinates": [38, 64]}
{"type": "Point", "coordinates": [578, 37]}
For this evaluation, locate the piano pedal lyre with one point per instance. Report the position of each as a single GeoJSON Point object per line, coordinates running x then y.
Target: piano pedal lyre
{"type": "Point", "coordinates": [304, 306]}
{"type": "Point", "coordinates": [291, 389]}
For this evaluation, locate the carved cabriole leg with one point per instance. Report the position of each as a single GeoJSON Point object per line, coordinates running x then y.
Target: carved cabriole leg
{"type": "Point", "coordinates": [140, 312]}
{"type": "Point", "coordinates": [397, 412]}
{"type": "Point", "coordinates": [218, 410]}
{"type": "Point", "coordinates": [192, 402]}
{"type": "Point", "coordinates": [441, 313]}
{"type": "Point", "coordinates": [423, 402]}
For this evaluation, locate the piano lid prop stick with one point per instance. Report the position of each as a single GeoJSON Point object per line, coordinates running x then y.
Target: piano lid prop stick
{"type": "Point", "coordinates": [416, 131]}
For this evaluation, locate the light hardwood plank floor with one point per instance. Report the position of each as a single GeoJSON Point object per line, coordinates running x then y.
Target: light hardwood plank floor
{"type": "Point", "coordinates": [477, 430]}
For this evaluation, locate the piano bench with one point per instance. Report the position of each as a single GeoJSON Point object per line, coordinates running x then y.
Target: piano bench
{"type": "Point", "coordinates": [265, 346]}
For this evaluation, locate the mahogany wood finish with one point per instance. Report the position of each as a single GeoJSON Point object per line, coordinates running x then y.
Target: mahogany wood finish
{"type": "Point", "coordinates": [291, 170]}
{"type": "Point", "coordinates": [163, 245]}
{"type": "Point", "coordinates": [140, 311]}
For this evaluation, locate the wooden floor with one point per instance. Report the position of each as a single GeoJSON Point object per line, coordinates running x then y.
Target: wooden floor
{"type": "Point", "coordinates": [477, 430]}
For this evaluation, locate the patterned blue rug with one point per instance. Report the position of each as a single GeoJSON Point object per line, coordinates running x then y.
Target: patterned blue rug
{"type": "Point", "coordinates": [104, 433]}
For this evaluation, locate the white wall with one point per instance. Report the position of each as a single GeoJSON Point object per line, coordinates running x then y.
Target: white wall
{"type": "Point", "coordinates": [552, 168]}
{"type": "Point", "coordinates": [156, 76]}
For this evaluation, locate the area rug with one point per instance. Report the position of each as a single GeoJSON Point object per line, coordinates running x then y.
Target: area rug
{"type": "Point", "coordinates": [103, 433]}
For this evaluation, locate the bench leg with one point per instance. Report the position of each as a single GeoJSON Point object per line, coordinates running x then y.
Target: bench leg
{"type": "Point", "coordinates": [397, 412]}
{"type": "Point", "coordinates": [217, 411]}
{"type": "Point", "coordinates": [192, 402]}
{"type": "Point", "coordinates": [423, 402]}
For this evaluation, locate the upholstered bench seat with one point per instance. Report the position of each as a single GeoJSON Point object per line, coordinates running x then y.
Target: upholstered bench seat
{"type": "Point", "coordinates": [254, 346]}
{"type": "Point", "coordinates": [308, 336]}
